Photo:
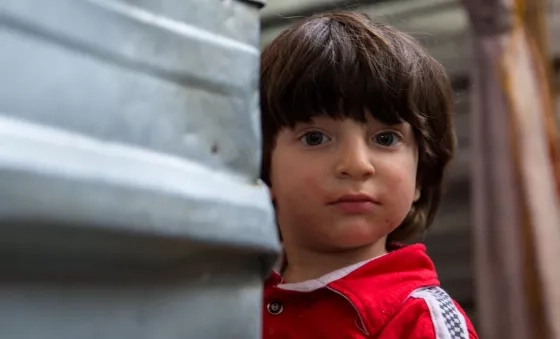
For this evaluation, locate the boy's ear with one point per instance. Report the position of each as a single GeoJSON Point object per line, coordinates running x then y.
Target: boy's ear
{"type": "Point", "coordinates": [417, 194]}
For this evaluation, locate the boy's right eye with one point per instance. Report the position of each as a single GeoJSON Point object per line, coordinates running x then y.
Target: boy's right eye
{"type": "Point", "coordinates": [314, 138]}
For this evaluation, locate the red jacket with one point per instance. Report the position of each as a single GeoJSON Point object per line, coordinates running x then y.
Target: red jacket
{"type": "Point", "coordinates": [396, 296]}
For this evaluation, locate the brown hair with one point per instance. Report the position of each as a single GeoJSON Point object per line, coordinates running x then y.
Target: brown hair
{"type": "Point", "coordinates": [341, 64]}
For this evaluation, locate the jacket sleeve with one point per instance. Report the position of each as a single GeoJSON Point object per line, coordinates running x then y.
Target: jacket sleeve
{"type": "Point", "coordinates": [429, 314]}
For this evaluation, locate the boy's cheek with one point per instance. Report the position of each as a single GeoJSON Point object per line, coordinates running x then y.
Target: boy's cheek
{"type": "Point", "coordinates": [310, 185]}
{"type": "Point", "coordinates": [302, 177]}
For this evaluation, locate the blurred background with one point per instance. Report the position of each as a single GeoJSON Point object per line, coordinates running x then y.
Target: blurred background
{"type": "Point", "coordinates": [442, 27]}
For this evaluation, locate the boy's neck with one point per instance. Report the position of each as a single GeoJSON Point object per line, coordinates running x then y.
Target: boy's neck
{"type": "Point", "coordinates": [303, 264]}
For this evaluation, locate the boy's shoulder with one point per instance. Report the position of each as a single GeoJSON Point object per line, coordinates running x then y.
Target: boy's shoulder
{"type": "Point", "coordinates": [429, 313]}
{"type": "Point", "coordinates": [401, 297]}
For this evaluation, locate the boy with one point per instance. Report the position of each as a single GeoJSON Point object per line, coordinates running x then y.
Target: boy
{"type": "Point", "coordinates": [357, 132]}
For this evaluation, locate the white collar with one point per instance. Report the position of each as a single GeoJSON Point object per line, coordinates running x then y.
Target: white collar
{"type": "Point", "coordinates": [322, 281]}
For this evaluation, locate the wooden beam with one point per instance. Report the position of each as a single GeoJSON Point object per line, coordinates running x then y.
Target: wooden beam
{"type": "Point", "coordinates": [535, 17]}
{"type": "Point", "coordinates": [516, 204]}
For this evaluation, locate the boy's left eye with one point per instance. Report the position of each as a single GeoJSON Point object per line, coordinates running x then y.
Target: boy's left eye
{"type": "Point", "coordinates": [386, 138]}
{"type": "Point", "coordinates": [314, 138]}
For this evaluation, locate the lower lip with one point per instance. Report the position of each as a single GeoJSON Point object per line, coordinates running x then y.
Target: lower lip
{"type": "Point", "coordinates": [355, 207]}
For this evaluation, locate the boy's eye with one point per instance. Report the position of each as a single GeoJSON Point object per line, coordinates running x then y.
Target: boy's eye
{"type": "Point", "coordinates": [386, 138]}
{"type": "Point", "coordinates": [314, 138]}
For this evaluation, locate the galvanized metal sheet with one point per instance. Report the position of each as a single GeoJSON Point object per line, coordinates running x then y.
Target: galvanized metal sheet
{"type": "Point", "coordinates": [133, 76]}
{"type": "Point", "coordinates": [129, 158]}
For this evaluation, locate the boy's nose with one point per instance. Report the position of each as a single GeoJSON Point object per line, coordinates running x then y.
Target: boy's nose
{"type": "Point", "coordinates": [354, 162]}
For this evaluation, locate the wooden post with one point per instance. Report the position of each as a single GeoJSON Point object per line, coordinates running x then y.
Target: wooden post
{"type": "Point", "coordinates": [535, 22]}
{"type": "Point", "coordinates": [516, 177]}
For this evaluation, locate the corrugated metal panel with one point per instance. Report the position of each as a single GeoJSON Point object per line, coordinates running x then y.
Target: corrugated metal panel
{"type": "Point", "coordinates": [129, 158]}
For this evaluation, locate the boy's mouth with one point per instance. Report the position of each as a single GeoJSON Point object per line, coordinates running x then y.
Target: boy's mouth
{"type": "Point", "coordinates": [354, 197]}
{"type": "Point", "coordinates": [355, 203]}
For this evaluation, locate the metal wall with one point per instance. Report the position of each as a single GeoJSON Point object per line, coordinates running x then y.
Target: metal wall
{"type": "Point", "coordinates": [129, 158]}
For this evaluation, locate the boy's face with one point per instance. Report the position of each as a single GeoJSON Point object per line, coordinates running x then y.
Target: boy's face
{"type": "Point", "coordinates": [342, 184]}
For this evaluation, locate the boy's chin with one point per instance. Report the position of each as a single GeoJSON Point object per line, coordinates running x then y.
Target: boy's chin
{"type": "Point", "coordinates": [357, 241]}
{"type": "Point", "coordinates": [358, 234]}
